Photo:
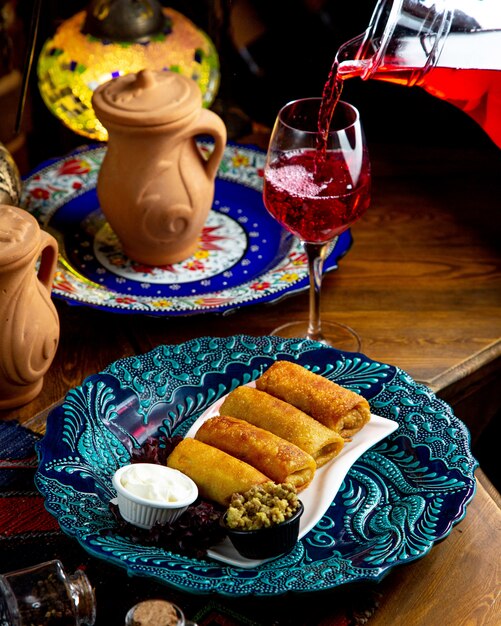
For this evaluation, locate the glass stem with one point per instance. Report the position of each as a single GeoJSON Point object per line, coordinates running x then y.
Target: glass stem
{"type": "Point", "coordinates": [316, 253]}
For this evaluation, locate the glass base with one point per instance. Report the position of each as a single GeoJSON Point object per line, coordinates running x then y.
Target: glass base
{"type": "Point", "coordinates": [333, 334]}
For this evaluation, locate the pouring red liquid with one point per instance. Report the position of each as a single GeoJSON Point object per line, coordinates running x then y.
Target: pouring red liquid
{"type": "Point", "coordinates": [450, 51]}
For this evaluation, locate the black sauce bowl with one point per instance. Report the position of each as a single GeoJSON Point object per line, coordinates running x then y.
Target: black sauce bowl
{"type": "Point", "coordinates": [269, 542]}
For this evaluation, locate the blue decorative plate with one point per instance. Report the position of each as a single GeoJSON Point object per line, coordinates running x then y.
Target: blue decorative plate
{"type": "Point", "coordinates": [397, 500]}
{"type": "Point", "coordinates": [244, 256]}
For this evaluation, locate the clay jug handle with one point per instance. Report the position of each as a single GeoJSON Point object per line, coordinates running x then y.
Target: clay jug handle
{"type": "Point", "coordinates": [48, 260]}
{"type": "Point", "coordinates": [211, 124]}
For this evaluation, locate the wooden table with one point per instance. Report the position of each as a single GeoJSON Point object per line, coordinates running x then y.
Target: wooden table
{"type": "Point", "coordinates": [422, 286]}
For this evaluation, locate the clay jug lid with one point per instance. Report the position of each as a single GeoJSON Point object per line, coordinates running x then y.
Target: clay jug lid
{"type": "Point", "coordinates": [19, 233]}
{"type": "Point", "coordinates": [148, 98]}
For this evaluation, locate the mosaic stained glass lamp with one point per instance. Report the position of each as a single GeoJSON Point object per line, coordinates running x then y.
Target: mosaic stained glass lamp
{"type": "Point", "coordinates": [115, 37]}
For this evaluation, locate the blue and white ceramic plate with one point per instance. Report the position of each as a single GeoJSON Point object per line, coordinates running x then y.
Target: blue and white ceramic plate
{"type": "Point", "coordinates": [244, 256]}
{"type": "Point", "coordinates": [399, 498]}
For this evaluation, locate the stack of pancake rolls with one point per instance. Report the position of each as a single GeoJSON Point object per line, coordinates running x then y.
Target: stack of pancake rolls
{"type": "Point", "coordinates": [292, 422]}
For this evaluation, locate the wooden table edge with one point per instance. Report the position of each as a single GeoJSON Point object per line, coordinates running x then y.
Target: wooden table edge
{"type": "Point", "coordinates": [457, 373]}
{"type": "Point", "coordinates": [488, 487]}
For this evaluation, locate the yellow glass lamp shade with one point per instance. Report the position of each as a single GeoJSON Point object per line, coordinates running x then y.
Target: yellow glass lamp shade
{"type": "Point", "coordinates": [72, 65]}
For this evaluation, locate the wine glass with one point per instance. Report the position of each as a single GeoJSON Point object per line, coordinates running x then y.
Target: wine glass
{"type": "Point", "coordinates": [316, 185]}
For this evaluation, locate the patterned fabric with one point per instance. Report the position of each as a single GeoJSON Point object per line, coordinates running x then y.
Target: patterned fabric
{"type": "Point", "coordinates": [30, 535]}
{"type": "Point", "coordinates": [21, 507]}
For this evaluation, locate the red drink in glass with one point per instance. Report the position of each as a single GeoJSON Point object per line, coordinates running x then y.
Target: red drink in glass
{"type": "Point", "coordinates": [316, 201]}
{"type": "Point", "coordinates": [316, 184]}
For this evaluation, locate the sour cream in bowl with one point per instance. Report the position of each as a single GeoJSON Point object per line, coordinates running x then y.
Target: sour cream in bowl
{"type": "Point", "coordinates": [148, 493]}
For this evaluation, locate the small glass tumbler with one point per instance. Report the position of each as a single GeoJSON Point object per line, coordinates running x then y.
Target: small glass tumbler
{"type": "Point", "coordinates": [45, 595]}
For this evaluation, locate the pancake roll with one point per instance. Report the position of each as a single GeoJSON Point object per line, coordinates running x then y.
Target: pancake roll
{"type": "Point", "coordinates": [336, 407]}
{"type": "Point", "coordinates": [281, 460]}
{"type": "Point", "coordinates": [217, 474]}
{"type": "Point", "coordinates": [284, 420]}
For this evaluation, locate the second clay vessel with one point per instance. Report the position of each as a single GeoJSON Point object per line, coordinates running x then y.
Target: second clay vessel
{"type": "Point", "coordinates": [29, 323]}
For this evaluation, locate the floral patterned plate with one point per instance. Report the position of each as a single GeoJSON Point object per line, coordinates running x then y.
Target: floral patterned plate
{"type": "Point", "coordinates": [399, 498]}
{"type": "Point", "coordinates": [244, 256]}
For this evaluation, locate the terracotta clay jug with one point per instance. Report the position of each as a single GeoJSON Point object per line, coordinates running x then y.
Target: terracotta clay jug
{"type": "Point", "coordinates": [29, 324]}
{"type": "Point", "coordinates": [155, 186]}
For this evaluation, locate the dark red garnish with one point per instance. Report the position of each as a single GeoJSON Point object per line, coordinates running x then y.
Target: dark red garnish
{"type": "Point", "coordinates": [155, 450]}
{"type": "Point", "coordinates": [196, 530]}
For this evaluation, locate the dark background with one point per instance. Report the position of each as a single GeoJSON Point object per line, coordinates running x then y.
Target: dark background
{"type": "Point", "coordinates": [292, 55]}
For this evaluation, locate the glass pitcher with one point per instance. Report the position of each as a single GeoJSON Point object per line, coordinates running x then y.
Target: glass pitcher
{"type": "Point", "coordinates": [451, 48]}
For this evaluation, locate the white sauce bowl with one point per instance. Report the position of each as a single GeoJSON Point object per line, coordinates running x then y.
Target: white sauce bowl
{"type": "Point", "coordinates": [144, 512]}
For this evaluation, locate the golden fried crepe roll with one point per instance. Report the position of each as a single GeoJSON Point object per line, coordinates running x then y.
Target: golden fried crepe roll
{"type": "Point", "coordinates": [216, 474]}
{"type": "Point", "coordinates": [338, 408]}
{"type": "Point", "coordinates": [284, 420]}
{"type": "Point", "coordinates": [279, 459]}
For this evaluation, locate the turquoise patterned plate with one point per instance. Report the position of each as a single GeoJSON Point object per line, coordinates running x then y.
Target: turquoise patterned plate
{"type": "Point", "coordinates": [399, 498]}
